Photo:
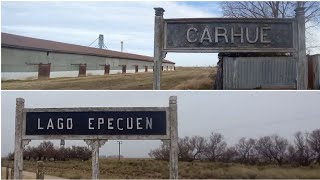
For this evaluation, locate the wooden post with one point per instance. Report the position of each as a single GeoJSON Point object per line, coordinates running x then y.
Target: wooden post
{"type": "Point", "coordinates": [7, 172]}
{"type": "Point", "coordinates": [11, 174]}
{"type": "Point", "coordinates": [40, 170]}
{"type": "Point", "coordinates": [95, 144]}
{"type": "Point", "coordinates": [302, 65]}
{"type": "Point", "coordinates": [158, 44]}
{"type": "Point", "coordinates": [173, 137]}
{"type": "Point", "coordinates": [95, 159]}
{"type": "Point", "coordinates": [18, 148]}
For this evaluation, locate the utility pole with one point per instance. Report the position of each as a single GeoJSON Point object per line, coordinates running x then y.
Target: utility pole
{"type": "Point", "coordinates": [119, 142]}
{"type": "Point", "coordinates": [121, 46]}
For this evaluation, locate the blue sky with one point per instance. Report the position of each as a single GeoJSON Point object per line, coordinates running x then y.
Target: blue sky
{"type": "Point", "coordinates": [82, 22]}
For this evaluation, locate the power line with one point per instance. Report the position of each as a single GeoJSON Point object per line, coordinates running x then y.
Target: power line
{"type": "Point", "coordinates": [93, 41]}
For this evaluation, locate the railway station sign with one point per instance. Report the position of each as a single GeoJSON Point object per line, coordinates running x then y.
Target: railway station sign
{"type": "Point", "coordinates": [231, 35]}
{"type": "Point", "coordinates": [228, 35]}
{"type": "Point", "coordinates": [105, 123]}
{"type": "Point", "coordinates": [96, 125]}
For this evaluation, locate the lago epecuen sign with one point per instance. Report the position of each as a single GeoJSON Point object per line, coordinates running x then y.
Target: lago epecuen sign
{"type": "Point", "coordinates": [231, 35]}
{"type": "Point", "coordinates": [102, 122]}
{"type": "Point", "coordinates": [96, 125]}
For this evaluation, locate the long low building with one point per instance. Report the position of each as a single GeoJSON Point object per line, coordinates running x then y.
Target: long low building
{"type": "Point", "coordinates": [31, 58]}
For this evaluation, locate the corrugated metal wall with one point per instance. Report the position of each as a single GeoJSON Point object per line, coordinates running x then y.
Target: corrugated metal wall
{"type": "Point", "coordinates": [314, 71]}
{"type": "Point", "coordinates": [259, 73]}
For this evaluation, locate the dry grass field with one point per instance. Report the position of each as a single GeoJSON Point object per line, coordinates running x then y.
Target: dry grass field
{"type": "Point", "coordinates": [183, 78]}
{"type": "Point", "coordinates": [148, 168]}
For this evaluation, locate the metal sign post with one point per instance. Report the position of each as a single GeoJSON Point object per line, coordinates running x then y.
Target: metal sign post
{"type": "Point", "coordinates": [95, 126]}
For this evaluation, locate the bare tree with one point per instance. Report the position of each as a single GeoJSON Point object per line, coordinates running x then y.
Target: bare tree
{"type": "Point", "coordinates": [185, 149]}
{"type": "Point", "coordinates": [277, 9]}
{"type": "Point", "coordinates": [199, 144]}
{"type": "Point", "coordinates": [271, 9]}
{"type": "Point", "coordinates": [229, 155]}
{"type": "Point", "coordinates": [262, 147]}
{"type": "Point", "coordinates": [304, 153]}
{"type": "Point", "coordinates": [161, 153]}
{"type": "Point", "coordinates": [314, 142]}
{"type": "Point", "coordinates": [245, 150]}
{"type": "Point", "coordinates": [215, 147]}
{"type": "Point", "coordinates": [272, 149]}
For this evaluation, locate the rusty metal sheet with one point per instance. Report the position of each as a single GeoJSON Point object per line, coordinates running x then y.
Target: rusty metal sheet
{"type": "Point", "coordinates": [259, 73]}
{"type": "Point", "coordinates": [229, 35]}
{"type": "Point", "coordinates": [44, 71]}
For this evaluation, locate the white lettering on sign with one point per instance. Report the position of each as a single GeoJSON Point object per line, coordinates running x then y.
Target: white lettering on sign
{"type": "Point", "coordinates": [39, 127]}
{"type": "Point", "coordinates": [118, 123]}
{"type": "Point", "coordinates": [130, 123]}
{"type": "Point", "coordinates": [69, 123]}
{"type": "Point", "coordinates": [100, 121]}
{"type": "Point", "coordinates": [90, 123]}
{"type": "Point", "coordinates": [111, 123]}
{"type": "Point", "coordinates": [259, 35]}
{"type": "Point", "coordinates": [50, 124]}
{"type": "Point", "coordinates": [188, 34]}
{"type": "Point", "coordinates": [138, 123]}
{"type": "Point", "coordinates": [59, 124]}
{"type": "Point", "coordinates": [149, 123]}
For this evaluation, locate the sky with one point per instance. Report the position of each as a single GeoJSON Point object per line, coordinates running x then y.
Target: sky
{"type": "Point", "coordinates": [234, 114]}
{"type": "Point", "coordinates": [131, 22]}
{"type": "Point", "coordinates": [82, 22]}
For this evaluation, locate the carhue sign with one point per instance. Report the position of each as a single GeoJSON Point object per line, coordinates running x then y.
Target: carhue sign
{"type": "Point", "coordinates": [106, 123]}
{"type": "Point", "coordinates": [228, 35]}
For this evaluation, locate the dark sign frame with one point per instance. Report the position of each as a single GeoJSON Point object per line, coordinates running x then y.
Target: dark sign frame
{"type": "Point", "coordinates": [217, 49]}
{"type": "Point", "coordinates": [97, 109]}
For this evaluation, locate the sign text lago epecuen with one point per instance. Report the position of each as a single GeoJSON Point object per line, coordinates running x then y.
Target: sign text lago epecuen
{"type": "Point", "coordinates": [96, 123]}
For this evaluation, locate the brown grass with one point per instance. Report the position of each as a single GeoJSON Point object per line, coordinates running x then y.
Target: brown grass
{"type": "Point", "coordinates": [149, 168]}
{"type": "Point", "coordinates": [182, 78]}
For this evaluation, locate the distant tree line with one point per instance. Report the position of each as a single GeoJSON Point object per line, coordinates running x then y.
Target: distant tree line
{"type": "Point", "coordinates": [47, 151]}
{"type": "Point", "coordinates": [303, 151]}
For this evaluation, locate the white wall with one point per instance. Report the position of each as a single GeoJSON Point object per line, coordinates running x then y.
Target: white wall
{"type": "Point", "coordinates": [14, 64]}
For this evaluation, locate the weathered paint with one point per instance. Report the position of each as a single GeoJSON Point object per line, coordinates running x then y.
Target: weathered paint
{"type": "Point", "coordinates": [96, 109]}
{"type": "Point", "coordinates": [229, 34]}
{"type": "Point", "coordinates": [18, 64]}
{"type": "Point", "coordinates": [259, 72]}
{"type": "Point", "coordinates": [314, 71]}
{"type": "Point", "coordinates": [96, 141]}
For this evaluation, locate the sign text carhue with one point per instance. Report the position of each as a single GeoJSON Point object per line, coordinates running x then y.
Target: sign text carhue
{"type": "Point", "coordinates": [229, 35]}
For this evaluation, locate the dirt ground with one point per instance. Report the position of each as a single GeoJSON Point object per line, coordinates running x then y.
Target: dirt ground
{"type": "Point", "coordinates": [26, 175]}
{"type": "Point", "coordinates": [181, 79]}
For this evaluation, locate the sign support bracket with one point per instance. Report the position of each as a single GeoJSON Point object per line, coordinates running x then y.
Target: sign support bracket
{"type": "Point", "coordinates": [95, 144]}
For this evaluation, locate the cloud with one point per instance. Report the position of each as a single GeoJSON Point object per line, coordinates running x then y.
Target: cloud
{"type": "Point", "coordinates": [82, 22]}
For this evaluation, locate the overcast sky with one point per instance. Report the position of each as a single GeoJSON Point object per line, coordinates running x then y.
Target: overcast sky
{"type": "Point", "coordinates": [234, 114]}
{"type": "Point", "coordinates": [132, 22]}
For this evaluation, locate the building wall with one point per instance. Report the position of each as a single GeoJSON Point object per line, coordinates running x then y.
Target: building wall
{"type": "Point", "coordinates": [314, 71]}
{"type": "Point", "coordinates": [15, 64]}
{"type": "Point", "coordinates": [259, 72]}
